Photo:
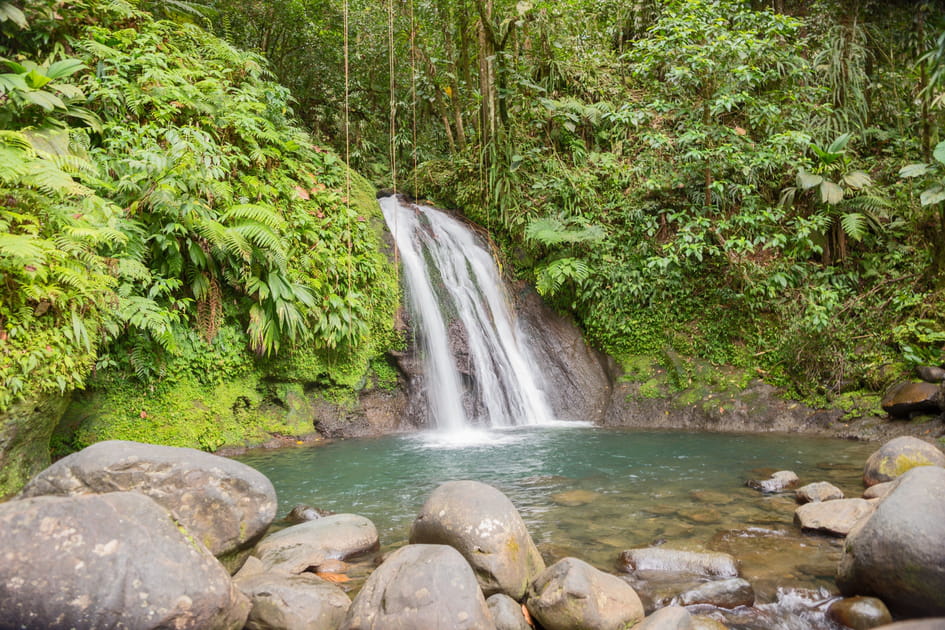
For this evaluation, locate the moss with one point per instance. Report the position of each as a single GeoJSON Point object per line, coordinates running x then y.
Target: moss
{"type": "Point", "coordinates": [858, 404]}
{"type": "Point", "coordinates": [25, 430]}
{"type": "Point", "coordinates": [653, 388]}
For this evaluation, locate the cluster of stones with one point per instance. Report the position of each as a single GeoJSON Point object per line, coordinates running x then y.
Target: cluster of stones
{"type": "Point", "coordinates": [894, 547]}
{"type": "Point", "coordinates": [140, 536]}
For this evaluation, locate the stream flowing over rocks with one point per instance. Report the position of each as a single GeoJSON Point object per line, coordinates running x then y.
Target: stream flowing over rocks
{"type": "Point", "coordinates": [122, 554]}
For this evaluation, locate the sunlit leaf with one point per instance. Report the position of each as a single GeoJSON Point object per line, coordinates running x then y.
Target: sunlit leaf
{"type": "Point", "coordinates": [830, 193]}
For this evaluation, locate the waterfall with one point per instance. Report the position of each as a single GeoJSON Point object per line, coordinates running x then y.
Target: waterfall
{"type": "Point", "coordinates": [478, 370]}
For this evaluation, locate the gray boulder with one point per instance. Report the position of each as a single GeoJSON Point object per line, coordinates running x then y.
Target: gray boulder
{"type": "Point", "coordinates": [778, 482]}
{"type": "Point", "coordinates": [300, 547]}
{"type": "Point", "coordinates": [660, 559]}
{"type": "Point", "coordinates": [420, 587]}
{"type": "Point", "coordinates": [507, 613]}
{"type": "Point", "coordinates": [226, 505]}
{"type": "Point", "coordinates": [482, 524]}
{"type": "Point", "coordinates": [818, 491]}
{"type": "Point", "coordinates": [879, 491]}
{"type": "Point", "coordinates": [899, 455]}
{"type": "Point", "coordinates": [859, 613]}
{"type": "Point", "coordinates": [293, 602]}
{"type": "Point", "coordinates": [573, 594]}
{"type": "Point", "coordinates": [730, 593]}
{"type": "Point", "coordinates": [832, 517]}
{"type": "Point", "coordinates": [931, 373]}
{"type": "Point", "coordinates": [905, 400]}
{"type": "Point", "coordinates": [669, 618]}
{"type": "Point", "coordinates": [898, 554]}
{"type": "Point", "coordinates": [115, 560]}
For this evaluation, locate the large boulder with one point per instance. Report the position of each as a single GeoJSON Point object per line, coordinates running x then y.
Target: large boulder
{"type": "Point", "coordinates": [420, 587]}
{"type": "Point", "coordinates": [300, 547]}
{"type": "Point", "coordinates": [573, 594]}
{"type": "Point", "coordinates": [116, 560]}
{"type": "Point", "coordinates": [832, 517]}
{"type": "Point", "coordinates": [898, 554]}
{"type": "Point", "coordinates": [293, 602]}
{"type": "Point", "coordinates": [899, 455]}
{"type": "Point", "coordinates": [483, 525]}
{"type": "Point", "coordinates": [226, 505]}
{"type": "Point", "coordinates": [907, 399]}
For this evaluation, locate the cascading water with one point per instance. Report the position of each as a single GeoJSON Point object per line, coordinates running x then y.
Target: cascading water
{"type": "Point", "coordinates": [457, 301]}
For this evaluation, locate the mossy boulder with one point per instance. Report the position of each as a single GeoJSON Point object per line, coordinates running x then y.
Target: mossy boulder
{"type": "Point", "coordinates": [897, 456]}
{"type": "Point", "coordinates": [25, 429]}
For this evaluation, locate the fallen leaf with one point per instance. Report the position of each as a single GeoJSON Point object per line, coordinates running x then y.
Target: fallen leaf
{"type": "Point", "coordinates": [527, 615]}
{"type": "Point", "coordinates": [334, 577]}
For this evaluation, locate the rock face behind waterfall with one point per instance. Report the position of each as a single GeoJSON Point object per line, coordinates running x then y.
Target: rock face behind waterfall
{"type": "Point", "coordinates": [578, 379]}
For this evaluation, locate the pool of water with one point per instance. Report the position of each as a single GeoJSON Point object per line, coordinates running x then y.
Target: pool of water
{"type": "Point", "coordinates": [592, 492]}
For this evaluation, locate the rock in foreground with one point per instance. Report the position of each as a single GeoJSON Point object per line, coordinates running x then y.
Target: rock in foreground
{"type": "Point", "coordinates": [898, 554]}
{"type": "Point", "coordinates": [115, 560]}
{"type": "Point", "coordinates": [226, 505]}
{"type": "Point", "coordinates": [483, 525]}
{"type": "Point", "coordinates": [573, 594]}
{"type": "Point", "coordinates": [293, 602]}
{"type": "Point", "coordinates": [306, 545]}
{"type": "Point", "coordinates": [420, 587]}
{"type": "Point", "coordinates": [899, 455]}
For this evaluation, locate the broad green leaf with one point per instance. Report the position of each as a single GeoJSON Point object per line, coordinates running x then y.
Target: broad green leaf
{"type": "Point", "coordinates": [939, 152]}
{"type": "Point", "coordinates": [11, 82]}
{"type": "Point", "coordinates": [36, 80]}
{"type": "Point", "coordinates": [933, 195]}
{"type": "Point", "coordinates": [13, 14]}
{"type": "Point", "coordinates": [64, 68]}
{"type": "Point", "coordinates": [807, 180]}
{"type": "Point", "coordinates": [913, 170]}
{"type": "Point", "coordinates": [47, 101]}
{"type": "Point", "coordinates": [857, 179]}
{"type": "Point", "coordinates": [840, 143]}
{"type": "Point", "coordinates": [830, 193]}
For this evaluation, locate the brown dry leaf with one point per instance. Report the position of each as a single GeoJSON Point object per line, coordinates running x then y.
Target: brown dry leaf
{"type": "Point", "coordinates": [334, 577]}
{"type": "Point", "coordinates": [528, 617]}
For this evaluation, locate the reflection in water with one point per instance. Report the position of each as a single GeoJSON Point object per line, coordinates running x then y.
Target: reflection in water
{"type": "Point", "coordinates": [592, 492]}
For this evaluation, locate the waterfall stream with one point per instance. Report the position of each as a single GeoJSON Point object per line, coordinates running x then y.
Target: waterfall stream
{"type": "Point", "coordinates": [478, 370]}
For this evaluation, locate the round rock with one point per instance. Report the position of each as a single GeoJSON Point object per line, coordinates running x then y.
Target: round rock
{"type": "Point", "coordinates": [899, 455]}
{"type": "Point", "coordinates": [730, 593]}
{"type": "Point", "coordinates": [573, 594]}
{"type": "Point", "coordinates": [482, 524]}
{"type": "Point", "coordinates": [307, 545]}
{"type": "Point", "coordinates": [669, 618]}
{"type": "Point", "coordinates": [818, 491]}
{"type": "Point", "coordinates": [906, 399]}
{"type": "Point", "coordinates": [115, 560]}
{"type": "Point", "coordinates": [420, 587]}
{"type": "Point", "coordinates": [898, 554]}
{"type": "Point", "coordinates": [507, 613]}
{"type": "Point", "coordinates": [859, 613]}
{"type": "Point", "coordinates": [293, 602]}
{"type": "Point", "coordinates": [226, 505]}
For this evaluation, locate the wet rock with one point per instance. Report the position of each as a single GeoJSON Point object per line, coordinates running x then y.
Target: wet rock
{"type": "Point", "coordinates": [109, 561]}
{"type": "Point", "coordinates": [779, 482]}
{"type": "Point", "coordinates": [676, 561]}
{"type": "Point", "coordinates": [669, 618]}
{"type": "Point", "coordinates": [420, 587]}
{"type": "Point", "coordinates": [302, 513]}
{"type": "Point", "coordinates": [931, 373]}
{"type": "Point", "coordinates": [578, 379]}
{"type": "Point", "coordinates": [897, 554]}
{"type": "Point", "coordinates": [818, 491]}
{"type": "Point", "coordinates": [507, 613]}
{"type": "Point", "coordinates": [306, 546]}
{"type": "Point", "coordinates": [483, 525]}
{"type": "Point", "coordinates": [905, 400]}
{"type": "Point", "coordinates": [730, 593]}
{"type": "Point", "coordinates": [575, 498]}
{"type": "Point", "coordinates": [832, 517]}
{"type": "Point", "coordinates": [918, 624]}
{"type": "Point", "coordinates": [879, 491]}
{"type": "Point", "coordinates": [859, 613]}
{"type": "Point", "coordinates": [293, 602]}
{"type": "Point", "coordinates": [899, 455]}
{"type": "Point", "coordinates": [226, 505]}
{"type": "Point", "coordinates": [703, 622]}
{"type": "Point", "coordinates": [573, 594]}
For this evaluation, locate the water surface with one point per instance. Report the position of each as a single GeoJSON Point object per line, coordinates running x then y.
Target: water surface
{"type": "Point", "coordinates": [592, 492]}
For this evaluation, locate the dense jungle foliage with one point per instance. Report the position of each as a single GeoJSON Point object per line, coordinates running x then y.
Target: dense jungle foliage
{"type": "Point", "coordinates": [755, 183]}
{"type": "Point", "coordinates": [170, 233]}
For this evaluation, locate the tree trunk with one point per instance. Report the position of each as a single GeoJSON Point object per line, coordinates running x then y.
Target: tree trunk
{"type": "Point", "coordinates": [487, 86]}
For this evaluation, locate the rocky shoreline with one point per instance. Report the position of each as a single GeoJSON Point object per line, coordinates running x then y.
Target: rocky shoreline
{"type": "Point", "coordinates": [131, 535]}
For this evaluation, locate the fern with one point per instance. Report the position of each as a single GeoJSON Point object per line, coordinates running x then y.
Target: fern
{"type": "Point", "coordinates": [555, 231]}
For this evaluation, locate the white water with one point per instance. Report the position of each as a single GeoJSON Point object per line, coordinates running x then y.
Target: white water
{"type": "Point", "coordinates": [452, 282]}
